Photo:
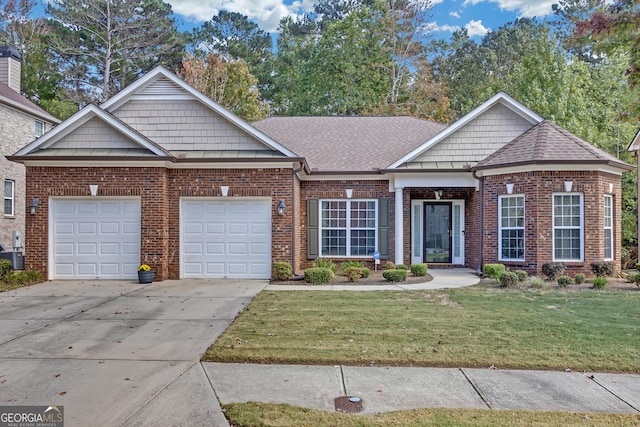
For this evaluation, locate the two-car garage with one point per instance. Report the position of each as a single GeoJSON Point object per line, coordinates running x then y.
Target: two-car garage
{"type": "Point", "coordinates": [99, 238]}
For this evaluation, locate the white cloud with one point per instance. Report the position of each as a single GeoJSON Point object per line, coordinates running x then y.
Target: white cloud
{"type": "Point", "coordinates": [266, 13]}
{"type": "Point", "coordinates": [454, 14]}
{"type": "Point", "coordinates": [475, 28]}
{"type": "Point", "coordinates": [525, 8]}
{"type": "Point", "coordinates": [445, 28]}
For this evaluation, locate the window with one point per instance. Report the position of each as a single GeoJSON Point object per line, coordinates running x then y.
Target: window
{"type": "Point", "coordinates": [511, 224]}
{"type": "Point", "coordinates": [39, 128]}
{"type": "Point", "coordinates": [348, 227]}
{"type": "Point", "coordinates": [608, 227]}
{"type": "Point", "coordinates": [9, 200]}
{"type": "Point", "coordinates": [567, 227]}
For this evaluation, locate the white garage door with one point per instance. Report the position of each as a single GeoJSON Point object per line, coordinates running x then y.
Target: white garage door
{"type": "Point", "coordinates": [95, 239]}
{"type": "Point", "coordinates": [226, 238]}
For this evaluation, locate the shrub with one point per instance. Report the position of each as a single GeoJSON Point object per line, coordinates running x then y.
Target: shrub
{"type": "Point", "coordinates": [579, 278]}
{"type": "Point", "coordinates": [282, 270]}
{"type": "Point", "coordinates": [419, 269]}
{"type": "Point", "coordinates": [353, 273]}
{"type": "Point", "coordinates": [638, 266]}
{"type": "Point", "coordinates": [553, 269]}
{"type": "Point", "coordinates": [603, 269]}
{"type": "Point", "coordinates": [494, 270]}
{"type": "Point", "coordinates": [315, 275]}
{"type": "Point", "coordinates": [599, 282]}
{"type": "Point", "coordinates": [396, 275]}
{"type": "Point", "coordinates": [325, 263]}
{"type": "Point", "coordinates": [522, 275]}
{"type": "Point", "coordinates": [634, 278]}
{"type": "Point", "coordinates": [538, 282]}
{"type": "Point", "coordinates": [6, 269]}
{"type": "Point", "coordinates": [345, 265]}
{"type": "Point", "coordinates": [365, 272]}
{"type": "Point", "coordinates": [509, 279]}
{"type": "Point", "coordinates": [389, 266]}
{"type": "Point", "coordinates": [564, 281]}
{"type": "Point", "coordinates": [401, 267]}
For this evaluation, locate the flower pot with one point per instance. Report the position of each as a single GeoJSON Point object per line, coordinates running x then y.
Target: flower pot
{"type": "Point", "coordinates": [146, 276]}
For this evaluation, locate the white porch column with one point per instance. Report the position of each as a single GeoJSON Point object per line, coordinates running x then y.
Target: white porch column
{"type": "Point", "coordinates": [398, 228]}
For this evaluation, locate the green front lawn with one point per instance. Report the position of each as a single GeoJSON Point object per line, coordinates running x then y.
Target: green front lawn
{"type": "Point", "coordinates": [470, 327]}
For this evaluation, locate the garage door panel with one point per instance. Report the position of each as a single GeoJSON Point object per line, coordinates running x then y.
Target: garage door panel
{"type": "Point", "coordinates": [95, 239]}
{"type": "Point", "coordinates": [193, 228]}
{"type": "Point", "coordinates": [193, 248]}
{"type": "Point", "coordinates": [229, 238]}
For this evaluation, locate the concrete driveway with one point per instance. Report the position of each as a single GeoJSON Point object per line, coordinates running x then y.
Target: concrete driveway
{"type": "Point", "coordinates": [117, 352]}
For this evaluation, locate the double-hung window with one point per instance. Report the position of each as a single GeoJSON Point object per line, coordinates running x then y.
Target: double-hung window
{"type": "Point", "coordinates": [511, 225]}
{"type": "Point", "coordinates": [608, 227]}
{"type": "Point", "coordinates": [348, 228]}
{"type": "Point", "coordinates": [568, 233]}
{"type": "Point", "coordinates": [39, 128]}
{"type": "Point", "coordinates": [9, 197]}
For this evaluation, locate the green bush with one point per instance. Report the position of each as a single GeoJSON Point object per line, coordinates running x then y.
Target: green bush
{"type": "Point", "coordinates": [389, 266]}
{"type": "Point", "coordinates": [579, 278]}
{"type": "Point", "coordinates": [353, 273]}
{"type": "Point", "coordinates": [6, 268]}
{"type": "Point", "coordinates": [494, 270]}
{"type": "Point", "coordinates": [282, 270]}
{"type": "Point", "coordinates": [419, 269]}
{"type": "Point", "coordinates": [638, 266]}
{"type": "Point", "coordinates": [538, 282]}
{"type": "Point", "coordinates": [396, 275]}
{"type": "Point", "coordinates": [553, 269]}
{"type": "Point", "coordinates": [347, 264]}
{"type": "Point", "coordinates": [522, 275]}
{"type": "Point", "coordinates": [401, 267]}
{"type": "Point", "coordinates": [365, 272]}
{"type": "Point", "coordinates": [599, 282]}
{"type": "Point", "coordinates": [509, 279]}
{"type": "Point", "coordinates": [325, 263]}
{"type": "Point", "coordinates": [603, 269]}
{"type": "Point", "coordinates": [315, 275]}
{"type": "Point", "coordinates": [564, 281]}
{"type": "Point", "coordinates": [634, 278]}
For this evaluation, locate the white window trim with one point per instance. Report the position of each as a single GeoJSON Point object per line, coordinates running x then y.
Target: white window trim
{"type": "Point", "coordinates": [610, 227]}
{"type": "Point", "coordinates": [500, 228]}
{"type": "Point", "coordinates": [36, 128]}
{"type": "Point", "coordinates": [347, 228]}
{"type": "Point", "coordinates": [553, 226]}
{"type": "Point", "coordinates": [12, 197]}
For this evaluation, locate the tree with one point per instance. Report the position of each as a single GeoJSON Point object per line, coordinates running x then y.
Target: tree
{"type": "Point", "coordinates": [103, 45]}
{"type": "Point", "coordinates": [228, 82]}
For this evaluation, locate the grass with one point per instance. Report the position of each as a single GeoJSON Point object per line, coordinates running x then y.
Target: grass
{"type": "Point", "coordinates": [262, 415]}
{"type": "Point", "coordinates": [471, 327]}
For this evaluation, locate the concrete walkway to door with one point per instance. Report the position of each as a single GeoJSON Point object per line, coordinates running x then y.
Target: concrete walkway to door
{"type": "Point", "coordinates": [116, 352]}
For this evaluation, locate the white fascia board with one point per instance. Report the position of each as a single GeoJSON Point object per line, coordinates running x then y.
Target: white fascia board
{"type": "Point", "coordinates": [500, 97]}
{"type": "Point", "coordinates": [354, 177]}
{"type": "Point", "coordinates": [550, 168]}
{"type": "Point", "coordinates": [635, 143]}
{"type": "Point", "coordinates": [129, 92]}
{"type": "Point", "coordinates": [433, 179]}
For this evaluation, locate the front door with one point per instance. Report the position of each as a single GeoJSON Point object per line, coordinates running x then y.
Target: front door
{"type": "Point", "coordinates": [437, 232]}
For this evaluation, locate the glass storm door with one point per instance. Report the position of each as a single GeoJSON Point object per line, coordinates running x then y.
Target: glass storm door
{"type": "Point", "coordinates": [437, 232]}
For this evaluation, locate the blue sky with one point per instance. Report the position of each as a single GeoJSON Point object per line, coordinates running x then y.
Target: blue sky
{"type": "Point", "coordinates": [478, 16]}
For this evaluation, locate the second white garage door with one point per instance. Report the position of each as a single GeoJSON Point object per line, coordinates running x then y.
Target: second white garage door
{"type": "Point", "coordinates": [225, 238]}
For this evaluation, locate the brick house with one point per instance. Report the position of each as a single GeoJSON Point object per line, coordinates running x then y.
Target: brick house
{"type": "Point", "coordinates": [160, 174]}
{"type": "Point", "coordinates": [21, 121]}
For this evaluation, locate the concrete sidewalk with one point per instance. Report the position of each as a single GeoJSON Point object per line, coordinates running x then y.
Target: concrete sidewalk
{"type": "Point", "coordinates": [443, 278]}
{"type": "Point", "coordinates": [384, 389]}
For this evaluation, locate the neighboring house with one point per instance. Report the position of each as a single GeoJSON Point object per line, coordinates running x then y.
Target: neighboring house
{"type": "Point", "coordinates": [160, 174]}
{"type": "Point", "coordinates": [635, 147]}
{"type": "Point", "coordinates": [20, 122]}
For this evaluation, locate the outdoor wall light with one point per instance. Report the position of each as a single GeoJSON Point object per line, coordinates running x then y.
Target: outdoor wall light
{"type": "Point", "coordinates": [440, 192]}
{"type": "Point", "coordinates": [281, 207]}
{"type": "Point", "coordinates": [33, 205]}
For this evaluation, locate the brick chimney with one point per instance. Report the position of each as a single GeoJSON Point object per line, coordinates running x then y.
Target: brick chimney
{"type": "Point", "coordinates": [10, 67]}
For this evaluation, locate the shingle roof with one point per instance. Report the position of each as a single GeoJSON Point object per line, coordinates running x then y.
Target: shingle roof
{"type": "Point", "coordinates": [14, 99]}
{"type": "Point", "coordinates": [548, 143]}
{"type": "Point", "coordinates": [349, 144]}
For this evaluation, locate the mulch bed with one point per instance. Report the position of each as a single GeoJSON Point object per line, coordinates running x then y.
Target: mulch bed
{"type": "Point", "coordinates": [375, 278]}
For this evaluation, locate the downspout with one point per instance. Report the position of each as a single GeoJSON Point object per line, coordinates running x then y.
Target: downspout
{"type": "Point", "coordinates": [294, 172]}
{"type": "Point", "coordinates": [481, 179]}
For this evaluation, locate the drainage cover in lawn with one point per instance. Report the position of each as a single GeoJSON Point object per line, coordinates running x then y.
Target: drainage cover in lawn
{"type": "Point", "coordinates": [348, 404]}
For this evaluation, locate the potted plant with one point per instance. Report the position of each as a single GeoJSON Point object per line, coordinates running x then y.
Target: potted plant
{"type": "Point", "coordinates": [145, 274]}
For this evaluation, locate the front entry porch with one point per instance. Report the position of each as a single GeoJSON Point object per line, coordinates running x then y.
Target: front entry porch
{"type": "Point", "coordinates": [437, 232]}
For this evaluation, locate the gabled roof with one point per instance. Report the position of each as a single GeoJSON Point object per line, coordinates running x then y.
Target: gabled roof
{"type": "Point", "coordinates": [500, 98]}
{"type": "Point", "coordinates": [635, 144]}
{"type": "Point", "coordinates": [13, 99]}
{"type": "Point", "coordinates": [81, 117]}
{"type": "Point", "coordinates": [137, 89]}
{"type": "Point", "coordinates": [548, 143]}
{"type": "Point", "coordinates": [349, 144]}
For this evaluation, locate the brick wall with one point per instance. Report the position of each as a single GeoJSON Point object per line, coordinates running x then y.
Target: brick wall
{"type": "Point", "coordinates": [538, 188]}
{"type": "Point", "coordinates": [160, 190]}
